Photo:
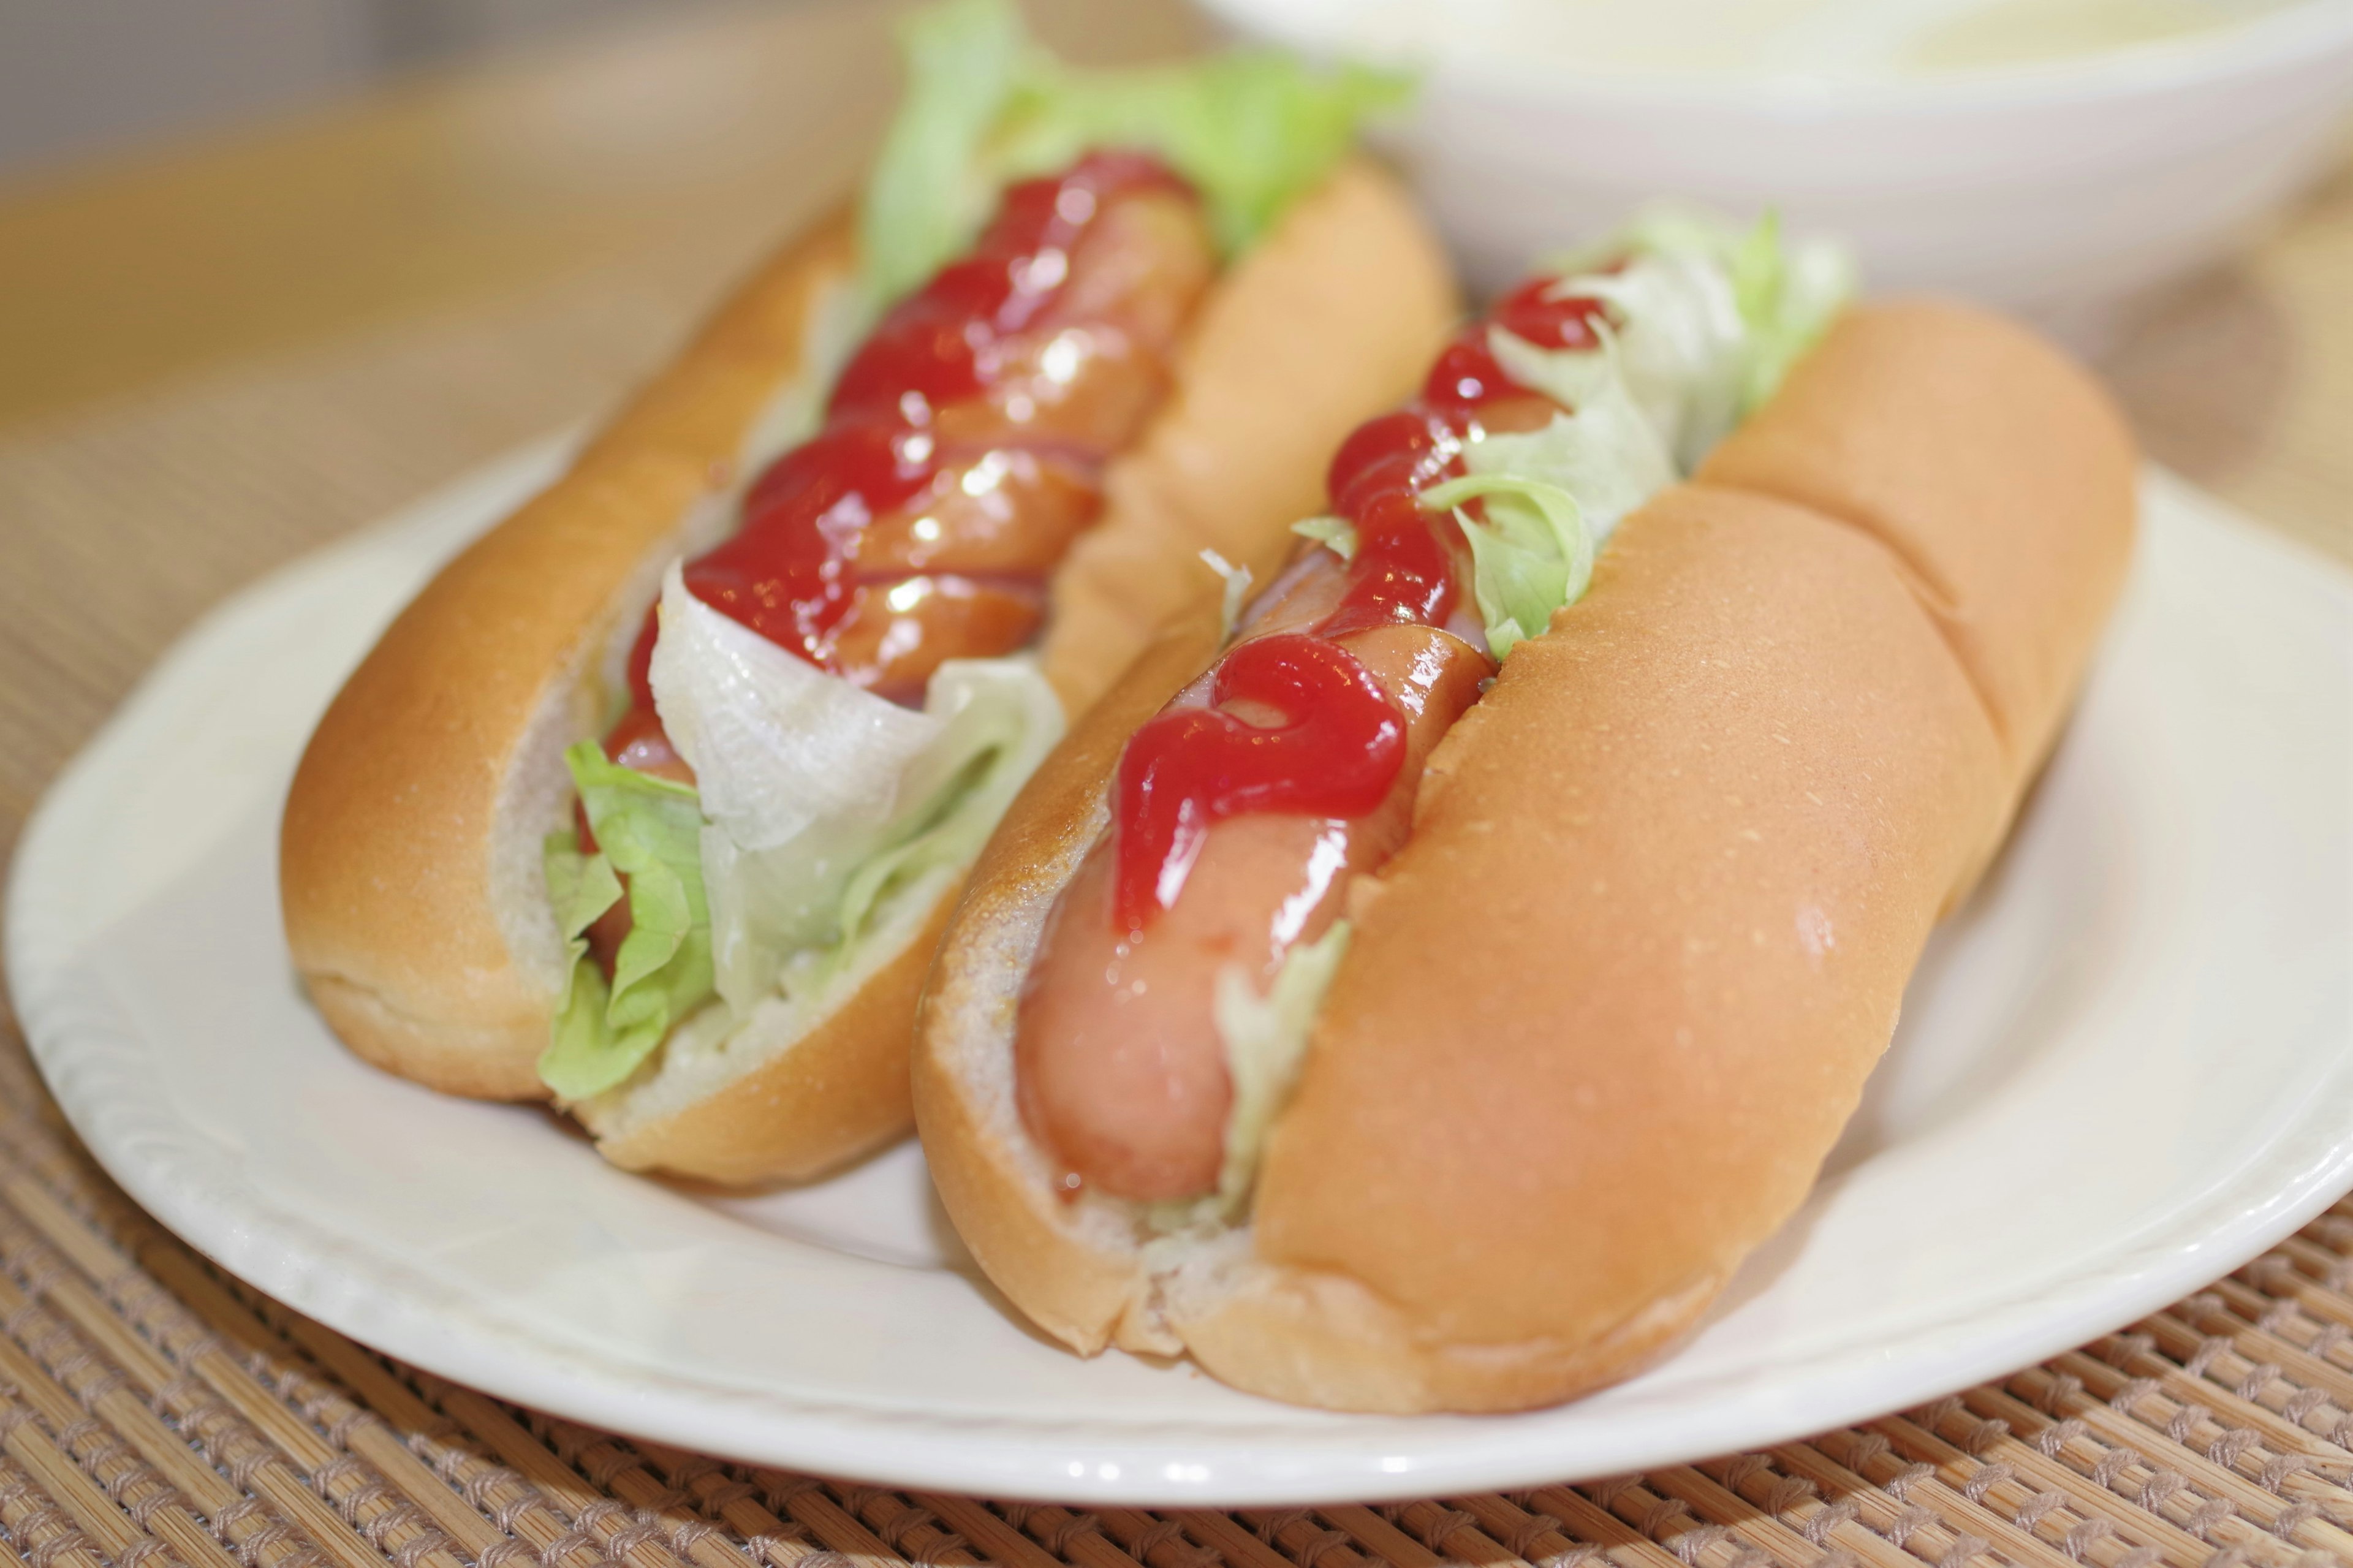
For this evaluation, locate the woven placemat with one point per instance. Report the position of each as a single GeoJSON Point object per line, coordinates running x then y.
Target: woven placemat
{"type": "Point", "coordinates": [155, 1412]}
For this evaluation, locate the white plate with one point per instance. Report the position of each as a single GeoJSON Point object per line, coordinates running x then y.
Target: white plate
{"type": "Point", "coordinates": [2126, 1068]}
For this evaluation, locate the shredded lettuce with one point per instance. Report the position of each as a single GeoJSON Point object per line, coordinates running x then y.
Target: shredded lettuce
{"type": "Point", "coordinates": [1715, 313]}
{"type": "Point", "coordinates": [926, 198]}
{"type": "Point", "coordinates": [1336, 535]}
{"type": "Point", "coordinates": [1237, 594]}
{"type": "Point", "coordinates": [820, 800]}
{"type": "Point", "coordinates": [1001, 718]}
{"type": "Point", "coordinates": [1678, 345]}
{"type": "Point", "coordinates": [1703, 319]}
{"type": "Point", "coordinates": [777, 745]}
{"type": "Point", "coordinates": [819, 804]}
{"type": "Point", "coordinates": [793, 918]}
{"type": "Point", "coordinates": [647, 830]}
{"type": "Point", "coordinates": [1608, 453]}
{"type": "Point", "coordinates": [1531, 556]}
{"type": "Point", "coordinates": [1266, 1042]}
{"type": "Point", "coordinates": [1251, 129]}
{"type": "Point", "coordinates": [1789, 298]}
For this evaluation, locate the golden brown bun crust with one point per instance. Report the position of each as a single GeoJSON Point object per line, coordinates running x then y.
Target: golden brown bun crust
{"type": "Point", "coordinates": [1620, 990]}
{"type": "Point", "coordinates": [386, 870]}
{"type": "Point", "coordinates": [1323, 1339]}
{"type": "Point", "coordinates": [1603, 1017]}
{"type": "Point", "coordinates": [1997, 470]}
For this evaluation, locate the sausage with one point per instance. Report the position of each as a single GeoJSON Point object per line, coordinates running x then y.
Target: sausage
{"type": "Point", "coordinates": [1022, 460]}
{"type": "Point", "coordinates": [898, 632]}
{"type": "Point", "coordinates": [1119, 1065]}
{"type": "Point", "coordinates": [1004, 511]}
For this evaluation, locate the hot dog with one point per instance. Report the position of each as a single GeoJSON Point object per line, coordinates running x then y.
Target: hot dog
{"type": "Point", "coordinates": [655, 799]}
{"type": "Point", "coordinates": [1421, 994]}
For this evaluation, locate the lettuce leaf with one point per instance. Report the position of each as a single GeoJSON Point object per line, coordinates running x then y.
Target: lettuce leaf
{"type": "Point", "coordinates": [1250, 129]}
{"type": "Point", "coordinates": [1788, 296]}
{"type": "Point", "coordinates": [817, 805]}
{"type": "Point", "coordinates": [1236, 598]}
{"type": "Point", "coordinates": [1703, 319]}
{"type": "Point", "coordinates": [821, 800]}
{"type": "Point", "coordinates": [712, 915]}
{"type": "Point", "coordinates": [1000, 719]}
{"type": "Point", "coordinates": [926, 198]}
{"type": "Point", "coordinates": [1719, 309]}
{"type": "Point", "coordinates": [1531, 556]}
{"type": "Point", "coordinates": [1266, 1044]}
{"type": "Point", "coordinates": [1679, 344]}
{"type": "Point", "coordinates": [1608, 453]}
{"type": "Point", "coordinates": [648, 830]}
{"type": "Point", "coordinates": [777, 745]}
{"type": "Point", "coordinates": [1336, 535]}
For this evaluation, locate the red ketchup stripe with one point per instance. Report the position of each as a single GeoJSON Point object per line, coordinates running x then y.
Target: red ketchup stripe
{"type": "Point", "coordinates": [1340, 743]}
{"type": "Point", "coordinates": [789, 573]}
{"type": "Point", "coordinates": [1207, 764]}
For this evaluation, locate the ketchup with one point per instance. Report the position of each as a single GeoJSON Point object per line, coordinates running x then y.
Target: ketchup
{"type": "Point", "coordinates": [1203, 765]}
{"type": "Point", "coordinates": [1340, 743]}
{"type": "Point", "coordinates": [791, 571]}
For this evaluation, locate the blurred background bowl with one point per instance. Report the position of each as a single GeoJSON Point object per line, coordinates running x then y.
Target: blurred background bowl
{"type": "Point", "coordinates": [2059, 187]}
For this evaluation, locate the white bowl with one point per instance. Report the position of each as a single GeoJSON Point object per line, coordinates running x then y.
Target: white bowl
{"type": "Point", "coordinates": [2055, 189]}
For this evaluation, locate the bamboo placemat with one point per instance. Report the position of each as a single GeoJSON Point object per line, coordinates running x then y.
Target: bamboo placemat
{"type": "Point", "coordinates": [153, 1412]}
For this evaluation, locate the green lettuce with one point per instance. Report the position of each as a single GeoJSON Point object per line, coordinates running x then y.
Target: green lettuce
{"type": "Point", "coordinates": [648, 830]}
{"type": "Point", "coordinates": [1531, 556]}
{"type": "Point", "coordinates": [925, 199]}
{"type": "Point", "coordinates": [1266, 1042]}
{"type": "Point", "coordinates": [1236, 598]}
{"type": "Point", "coordinates": [1265, 1039]}
{"type": "Point", "coordinates": [1336, 535]}
{"type": "Point", "coordinates": [1788, 297]}
{"type": "Point", "coordinates": [1251, 130]}
{"type": "Point", "coordinates": [1703, 320]}
{"type": "Point", "coordinates": [996, 742]}
{"type": "Point", "coordinates": [794, 915]}
{"type": "Point", "coordinates": [1785, 296]}
{"type": "Point", "coordinates": [1608, 454]}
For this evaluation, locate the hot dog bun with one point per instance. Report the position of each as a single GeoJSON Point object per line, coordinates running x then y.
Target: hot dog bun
{"type": "Point", "coordinates": [1601, 1018]}
{"type": "Point", "coordinates": [415, 903]}
{"type": "Point", "coordinates": [408, 860]}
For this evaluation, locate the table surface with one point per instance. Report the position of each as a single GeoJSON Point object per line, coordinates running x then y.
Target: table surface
{"type": "Point", "coordinates": [218, 355]}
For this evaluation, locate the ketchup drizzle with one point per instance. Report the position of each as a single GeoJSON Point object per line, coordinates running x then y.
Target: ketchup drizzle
{"type": "Point", "coordinates": [1210, 763]}
{"type": "Point", "coordinates": [1340, 744]}
{"type": "Point", "coordinates": [790, 572]}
